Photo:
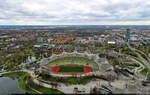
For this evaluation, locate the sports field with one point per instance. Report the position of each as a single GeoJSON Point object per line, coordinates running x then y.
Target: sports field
{"type": "Point", "coordinates": [74, 61]}
{"type": "Point", "coordinates": [71, 69]}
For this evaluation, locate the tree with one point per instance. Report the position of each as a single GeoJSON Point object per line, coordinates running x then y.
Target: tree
{"type": "Point", "coordinates": [8, 62]}
{"type": "Point", "coordinates": [21, 54]}
{"type": "Point", "coordinates": [2, 62]}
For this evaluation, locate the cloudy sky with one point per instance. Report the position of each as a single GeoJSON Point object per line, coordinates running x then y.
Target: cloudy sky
{"type": "Point", "coordinates": [75, 12]}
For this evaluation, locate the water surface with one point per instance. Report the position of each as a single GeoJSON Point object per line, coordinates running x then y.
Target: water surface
{"type": "Point", "coordinates": [9, 86]}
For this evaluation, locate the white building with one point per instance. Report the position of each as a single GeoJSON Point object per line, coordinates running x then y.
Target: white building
{"type": "Point", "coordinates": [111, 42]}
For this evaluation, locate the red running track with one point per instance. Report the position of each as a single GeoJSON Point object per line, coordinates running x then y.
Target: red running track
{"type": "Point", "coordinates": [87, 69]}
{"type": "Point", "coordinates": [60, 52]}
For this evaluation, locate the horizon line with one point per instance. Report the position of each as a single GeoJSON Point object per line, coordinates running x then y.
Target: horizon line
{"type": "Point", "coordinates": [75, 25]}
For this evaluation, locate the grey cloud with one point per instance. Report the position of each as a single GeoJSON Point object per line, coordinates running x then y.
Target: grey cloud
{"type": "Point", "coordinates": [75, 10]}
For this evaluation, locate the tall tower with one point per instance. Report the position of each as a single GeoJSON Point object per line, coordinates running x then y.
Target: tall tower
{"type": "Point", "coordinates": [128, 35]}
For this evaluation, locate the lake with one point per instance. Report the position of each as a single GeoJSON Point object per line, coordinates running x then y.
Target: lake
{"type": "Point", "coordinates": [10, 86]}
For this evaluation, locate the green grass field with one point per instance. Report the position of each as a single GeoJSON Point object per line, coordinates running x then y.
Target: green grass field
{"type": "Point", "coordinates": [77, 61]}
{"type": "Point", "coordinates": [71, 69]}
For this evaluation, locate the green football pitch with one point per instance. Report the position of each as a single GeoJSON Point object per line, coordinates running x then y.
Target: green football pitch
{"type": "Point", "coordinates": [75, 60]}
{"type": "Point", "coordinates": [71, 69]}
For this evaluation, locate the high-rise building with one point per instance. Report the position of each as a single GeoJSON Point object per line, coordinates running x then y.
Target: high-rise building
{"type": "Point", "coordinates": [128, 35]}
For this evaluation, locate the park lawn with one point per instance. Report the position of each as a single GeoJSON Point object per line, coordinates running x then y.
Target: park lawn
{"type": "Point", "coordinates": [14, 74]}
{"type": "Point", "coordinates": [46, 90]}
{"type": "Point", "coordinates": [136, 58]}
{"type": "Point", "coordinates": [22, 84]}
{"type": "Point", "coordinates": [50, 91]}
{"type": "Point", "coordinates": [71, 69]}
{"type": "Point", "coordinates": [143, 55]}
{"type": "Point", "coordinates": [131, 67]}
{"type": "Point", "coordinates": [144, 71]}
{"type": "Point", "coordinates": [75, 80]}
{"type": "Point", "coordinates": [20, 76]}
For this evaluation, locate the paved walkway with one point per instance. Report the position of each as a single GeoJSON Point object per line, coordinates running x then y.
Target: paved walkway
{"type": "Point", "coordinates": [67, 89]}
{"type": "Point", "coordinates": [145, 61]}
